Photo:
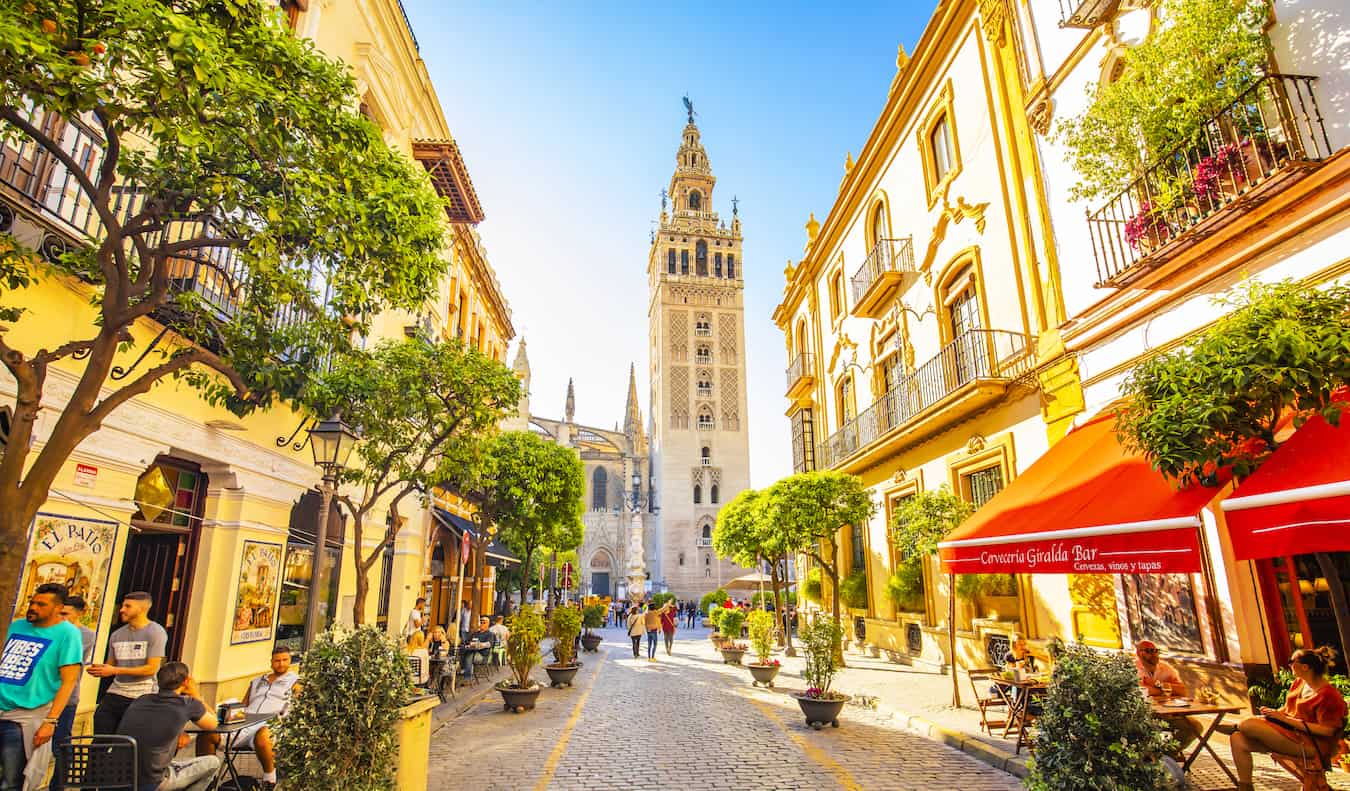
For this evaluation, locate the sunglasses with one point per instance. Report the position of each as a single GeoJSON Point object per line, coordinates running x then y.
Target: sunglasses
{"type": "Point", "coordinates": [1148, 650]}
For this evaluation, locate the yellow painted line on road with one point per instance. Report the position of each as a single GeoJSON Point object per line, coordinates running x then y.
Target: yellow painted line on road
{"type": "Point", "coordinates": [551, 765]}
{"type": "Point", "coordinates": [813, 752]}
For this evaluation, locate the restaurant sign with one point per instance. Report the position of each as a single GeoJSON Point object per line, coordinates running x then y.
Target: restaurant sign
{"type": "Point", "coordinates": [73, 551]}
{"type": "Point", "coordinates": [1154, 552]}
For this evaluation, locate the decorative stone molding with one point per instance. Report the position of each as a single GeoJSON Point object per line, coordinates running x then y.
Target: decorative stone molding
{"type": "Point", "coordinates": [994, 14]}
{"type": "Point", "coordinates": [976, 443]}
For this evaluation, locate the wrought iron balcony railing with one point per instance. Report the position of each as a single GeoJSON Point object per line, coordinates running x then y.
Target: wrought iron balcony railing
{"type": "Point", "coordinates": [975, 355]}
{"type": "Point", "coordinates": [408, 22]}
{"type": "Point", "coordinates": [1086, 13]}
{"type": "Point", "coordinates": [883, 272]}
{"type": "Point", "coordinates": [1272, 135]}
{"type": "Point", "coordinates": [803, 365]}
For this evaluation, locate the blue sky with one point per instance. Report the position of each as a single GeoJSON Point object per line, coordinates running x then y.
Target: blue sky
{"type": "Point", "coordinates": [569, 117]}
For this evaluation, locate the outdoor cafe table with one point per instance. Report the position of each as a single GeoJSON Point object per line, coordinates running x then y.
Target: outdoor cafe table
{"type": "Point", "coordinates": [1166, 712]}
{"type": "Point", "coordinates": [229, 734]}
{"type": "Point", "coordinates": [1029, 687]}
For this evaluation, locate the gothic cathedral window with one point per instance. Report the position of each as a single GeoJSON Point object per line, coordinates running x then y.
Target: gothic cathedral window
{"type": "Point", "coordinates": [701, 258]}
{"type": "Point", "coordinates": [599, 483]}
{"type": "Point", "coordinates": [698, 494]}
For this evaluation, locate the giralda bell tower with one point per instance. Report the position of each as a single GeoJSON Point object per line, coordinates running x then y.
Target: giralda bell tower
{"type": "Point", "coordinates": [696, 315]}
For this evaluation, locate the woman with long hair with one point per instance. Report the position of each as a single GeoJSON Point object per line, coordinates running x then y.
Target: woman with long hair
{"type": "Point", "coordinates": [1307, 727]}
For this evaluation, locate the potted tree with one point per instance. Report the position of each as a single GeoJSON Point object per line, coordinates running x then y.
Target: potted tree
{"type": "Point", "coordinates": [564, 626]}
{"type": "Point", "coordinates": [732, 650]}
{"type": "Point", "coordinates": [760, 625]}
{"type": "Point", "coordinates": [367, 743]}
{"type": "Point", "coordinates": [716, 618]}
{"type": "Point", "coordinates": [819, 703]}
{"type": "Point", "coordinates": [592, 617]}
{"type": "Point", "coordinates": [522, 653]}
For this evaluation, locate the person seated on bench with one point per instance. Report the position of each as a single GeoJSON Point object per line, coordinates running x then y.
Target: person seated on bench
{"type": "Point", "coordinates": [269, 693]}
{"type": "Point", "coordinates": [479, 643]}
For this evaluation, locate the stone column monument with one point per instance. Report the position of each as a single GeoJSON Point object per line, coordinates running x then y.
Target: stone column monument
{"type": "Point", "coordinates": [637, 567]}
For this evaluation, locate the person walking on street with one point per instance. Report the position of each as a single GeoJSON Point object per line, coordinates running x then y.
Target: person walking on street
{"type": "Point", "coordinates": [136, 652]}
{"type": "Point", "coordinates": [637, 627]}
{"type": "Point", "coordinates": [652, 621]}
{"type": "Point", "coordinates": [39, 669]}
{"type": "Point", "coordinates": [668, 621]}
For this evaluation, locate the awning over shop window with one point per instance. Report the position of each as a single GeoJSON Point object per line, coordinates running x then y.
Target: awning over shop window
{"type": "Point", "coordinates": [1086, 506]}
{"type": "Point", "coordinates": [1299, 500]}
{"type": "Point", "coordinates": [497, 554]}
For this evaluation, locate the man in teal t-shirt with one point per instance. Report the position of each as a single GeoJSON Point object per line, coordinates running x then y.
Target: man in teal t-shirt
{"type": "Point", "coordinates": [39, 668]}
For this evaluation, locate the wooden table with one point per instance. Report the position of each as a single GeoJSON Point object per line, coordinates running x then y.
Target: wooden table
{"type": "Point", "coordinates": [1027, 688]}
{"type": "Point", "coordinates": [230, 733]}
{"type": "Point", "coordinates": [1196, 709]}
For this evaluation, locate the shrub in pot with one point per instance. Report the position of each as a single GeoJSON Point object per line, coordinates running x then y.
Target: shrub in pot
{"type": "Point", "coordinates": [522, 653]}
{"type": "Point", "coordinates": [812, 588]}
{"type": "Point", "coordinates": [731, 630]}
{"type": "Point", "coordinates": [359, 679]}
{"type": "Point", "coordinates": [712, 597]}
{"type": "Point", "coordinates": [760, 625]}
{"type": "Point", "coordinates": [564, 626]}
{"type": "Point", "coordinates": [592, 617]}
{"type": "Point", "coordinates": [853, 590]}
{"type": "Point", "coordinates": [716, 618]}
{"type": "Point", "coordinates": [905, 587]}
{"type": "Point", "coordinates": [819, 703]}
{"type": "Point", "coordinates": [659, 600]}
{"type": "Point", "coordinates": [1096, 725]}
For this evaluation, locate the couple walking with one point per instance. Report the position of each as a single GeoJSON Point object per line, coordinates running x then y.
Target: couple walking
{"type": "Point", "coordinates": [651, 622]}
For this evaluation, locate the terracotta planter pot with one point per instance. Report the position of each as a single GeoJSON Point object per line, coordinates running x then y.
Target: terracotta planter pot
{"type": "Point", "coordinates": [562, 675]}
{"type": "Point", "coordinates": [732, 656]}
{"type": "Point", "coordinates": [820, 712]}
{"type": "Point", "coordinates": [518, 700]}
{"type": "Point", "coordinates": [591, 642]}
{"type": "Point", "coordinates": [763, 674]}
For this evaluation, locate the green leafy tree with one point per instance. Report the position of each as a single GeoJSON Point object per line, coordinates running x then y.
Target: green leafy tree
{"type": "Point", "coordinates": [812, 588]}
{"type": "Point", "coordinates": [760, 626]}
{"type": "Point", "coordinates": [1096, 732]}
{"type": "Point", "coordinates": [732, 620]}
{"type": "Point", "coordinates": [564, 625]}
{"type": "Point", "coordinates": [807, 510]}
{"type": "Point", "coordinates": [710, 598]}
{"type": "Point", "coordinates": [228, 146]}
{"type": "Point", "coordinates": [853, 590]}
{"type": "Point", "coordinates": [820, 643]}
{"type": "Point", "coordinates": [422, 409]}
{"type": "Point", "coordinates": [1200, 59]}
{"type": "Point", "coordinates": [715, 618]}
{"type": "Point", "coordinates": [362, 680]}
{"type": "Point", "coordinates": [527, 488]}
{"type": "Point", "coordinates": [522, 645]}
{"type": "Point", "coordinates": [660, 600]}
{"type": "Point", "coordinates": [743, 534]}
{"type": "Point", "coordinates": [905, 587]}
{"type": "Point", "coordinates": [593, 617]}
{"type": "Point", "coordinates": [1216, 402]}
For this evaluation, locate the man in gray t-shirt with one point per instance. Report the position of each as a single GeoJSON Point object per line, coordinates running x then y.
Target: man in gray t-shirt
{"type": "Point", "coordinates": [135, 653]}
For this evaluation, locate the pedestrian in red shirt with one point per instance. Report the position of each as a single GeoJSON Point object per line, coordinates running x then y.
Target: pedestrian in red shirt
{"type": "Point", "coordinates": [668, 626]}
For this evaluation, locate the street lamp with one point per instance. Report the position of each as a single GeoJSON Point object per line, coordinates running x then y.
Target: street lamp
{"type": "Point", "coordinates": [332, 441]}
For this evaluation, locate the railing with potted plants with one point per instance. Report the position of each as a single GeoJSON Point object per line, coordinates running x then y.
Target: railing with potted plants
{"type": "Point", "coordinates": [1086, 14]}
{"type": "Point", "coordinates": [802, 365]}
{"type": "Point", "coordinates": [1272, 132]}
{"type": "Point", "coordinates": [888, 255]}
{"type": "Point", "coordinates": [973, 355]}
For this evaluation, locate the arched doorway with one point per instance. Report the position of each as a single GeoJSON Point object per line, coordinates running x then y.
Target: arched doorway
{"type": "Point", "coordinates": [601, 566]}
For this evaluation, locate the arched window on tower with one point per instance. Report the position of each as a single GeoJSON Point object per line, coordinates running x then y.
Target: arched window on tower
{"type": "Point", "coordinates": [701, 258]}
{"type": "Point", "coordinates": [698, 494]}
{"type": "Point", "coordinates": [705, 419]}
{"type": "Point", "coordinates": [731, 265]}
{"type": "Point", "coordinates": [712, 494]}
{"type": "Point", "coordinates": [717, 265]}
{"type": "Point", "coordinates": [706, 456]}
{"type": "Point", "coordinates": [599, 487]}
{"type": "Point", "coordinates": [670, 261]}
{"type": "Point", "coordinates": [684, 262]}
{"type": "Point", "coordinates": [695, 197]}
{"type": "Point", "coordinates": [707, 531]}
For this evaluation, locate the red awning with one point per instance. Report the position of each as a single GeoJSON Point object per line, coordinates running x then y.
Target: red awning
{"type": "Point", "coordinates": [1087, 505]}
{"type": "Point", "coordinates": [1299, 499]}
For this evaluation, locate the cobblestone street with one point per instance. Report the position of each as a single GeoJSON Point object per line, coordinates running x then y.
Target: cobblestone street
{"type": "Point", "coordinates": [685, 721]}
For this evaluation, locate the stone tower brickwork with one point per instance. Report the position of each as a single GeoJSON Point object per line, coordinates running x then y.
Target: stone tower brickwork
{"type": "Point", "coordinates": [699, 446]}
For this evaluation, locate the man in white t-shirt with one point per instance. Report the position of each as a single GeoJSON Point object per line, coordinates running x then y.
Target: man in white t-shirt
{"type": "Point", "coordinates": [415, 618]}
{"type": "Point", "coordinates": [135, 653]}
{"type": "Point", "coordinates": [499, 630]}
{"type": "Point", "coordinates": [269, 693]}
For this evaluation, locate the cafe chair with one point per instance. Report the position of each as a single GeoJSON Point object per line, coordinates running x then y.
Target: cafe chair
{"type": "Point", "coordinates": [415, 665]}
{"type": "Point", "coordinates": [991, 698]}
{"type": "Point", "coordinates": [104, 762]}
{"type": "Point", "coordinates": [1307, 770]}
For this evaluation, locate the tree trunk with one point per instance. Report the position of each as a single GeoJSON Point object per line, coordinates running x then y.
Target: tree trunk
{"type": "Point", "coordinates": [362, 580]}
{"type": "Point", "coordinates": [362, 593]}
{"type": "Point", "coordinates": [525, 574]}
{"type": "Point", "coordinates": [13, 545]}
{"type": "Point", "coordinates": [787, 618]}
{"type": "Point", "coordinates": [833, 570]}
{"type": "Point", "coordinates": [951, 634]}
{"type": "Point", "coordinates": [1338, 601]}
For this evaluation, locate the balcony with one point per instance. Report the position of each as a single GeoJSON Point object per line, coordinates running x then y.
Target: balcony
{"type": "Point", "coordinates": [801, 375]}
{"type": "Point", "coordinates": [36, 184]}
{"type": "Point", "coordinates": [1086, 14]}
{"type": "Point", "coordinates": [1268, 139]}
{"type": "Point", "coordinates": [888, 270]}
{"type": "Point", "coordinates": [969, 374]}
{"type": "Point", "coordinates": [702, 542]}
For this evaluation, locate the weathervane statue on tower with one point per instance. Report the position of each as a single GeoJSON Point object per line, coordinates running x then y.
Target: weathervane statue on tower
{"type": "Point", "coordinates": [689, 108]}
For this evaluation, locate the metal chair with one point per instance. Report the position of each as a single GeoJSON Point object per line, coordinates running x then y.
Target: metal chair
{"type": "Point", "coordinates": [104, 762]}
{"type": "Point", "coordinates": [415, 665]}
{"type": "Point", "coordinates": [990, 698]}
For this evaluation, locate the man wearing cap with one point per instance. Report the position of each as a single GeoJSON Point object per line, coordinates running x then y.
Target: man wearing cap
{"type": "Point", "coordinates": [1162, 682]}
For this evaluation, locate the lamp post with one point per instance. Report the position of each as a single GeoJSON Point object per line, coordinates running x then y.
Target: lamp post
{"type": "Point", "coordinates": [332, 441]}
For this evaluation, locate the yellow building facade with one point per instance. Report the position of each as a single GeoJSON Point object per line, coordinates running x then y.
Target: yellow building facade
{"type": "Point", "coordinates": [215, 515]}
{"type": "Point", "coordinates": [919, 324]}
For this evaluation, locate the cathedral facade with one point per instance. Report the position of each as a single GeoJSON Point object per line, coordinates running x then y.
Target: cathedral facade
{"type": "Point", "coordinates": [700, 452]}
{"type": "Point", "coordinates": [618, 486]}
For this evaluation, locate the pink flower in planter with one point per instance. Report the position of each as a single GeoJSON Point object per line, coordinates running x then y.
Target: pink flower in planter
{"type": "Point", "coordinates": [814, 692]}
{"type": "Point", "coordinates": [1146, 226]}
{"type": "Point", "coordinates": [1223, 163]}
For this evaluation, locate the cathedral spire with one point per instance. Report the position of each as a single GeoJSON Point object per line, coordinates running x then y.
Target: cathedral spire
{"type": "Point", "coordinates": [521, 367]}
{"type": "Point", "coordinates": [632, 418]}
{"type": "Point", "coordinates": [571, 410]}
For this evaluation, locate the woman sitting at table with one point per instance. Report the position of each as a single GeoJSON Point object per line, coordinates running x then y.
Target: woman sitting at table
{"type": "Point", "coordinates": [1019, 658]}
{"type": "Point", "coordinates": [1308, 727]}
{"type": "Point", "coordinates": [417, 647]}
{"type": "Point", "coordinates": [438, 644]}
